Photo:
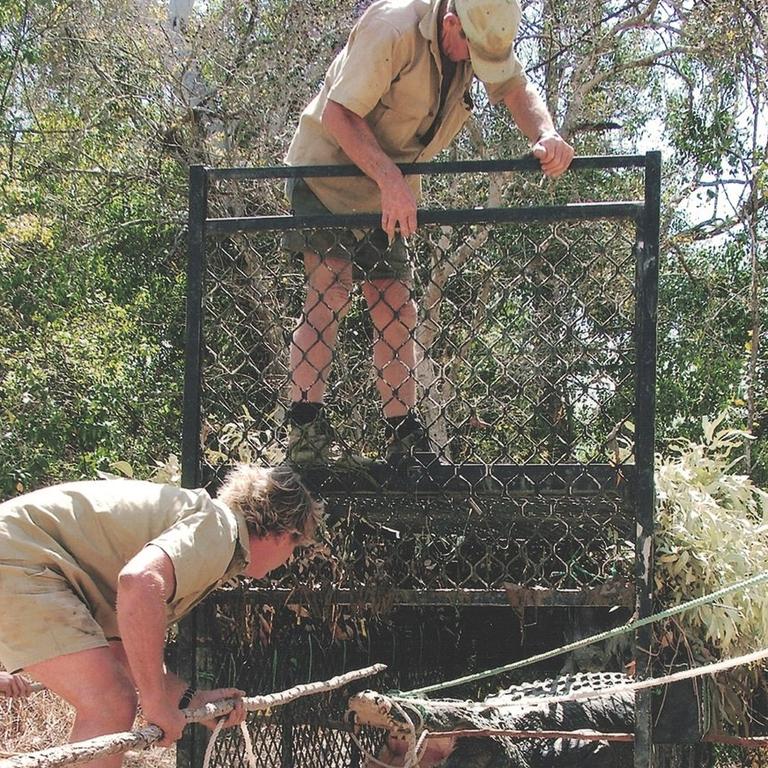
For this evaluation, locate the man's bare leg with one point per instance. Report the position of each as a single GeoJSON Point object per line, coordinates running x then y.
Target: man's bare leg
{"type": "Point", "coordinates": [98, 685]}
{"type": "Point", "coordinates": [394, 314]}
{"type": "Point", "coordinates": [329, 282]}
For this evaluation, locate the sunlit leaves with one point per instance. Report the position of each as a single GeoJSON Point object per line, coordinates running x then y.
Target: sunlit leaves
{"type": "Point", "coordinates": [712, 531]}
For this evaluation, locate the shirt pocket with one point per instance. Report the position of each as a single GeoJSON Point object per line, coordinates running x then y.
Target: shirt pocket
{"type": "Point", "coordinates": [404, 113]}
{"type": "Point", "coordinates": [453, 121]}
{"type": "Point", "coordinates": [32, 580]}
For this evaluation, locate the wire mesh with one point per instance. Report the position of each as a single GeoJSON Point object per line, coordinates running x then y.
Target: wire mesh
{"type": "Point", "coordinates": [523, 348]}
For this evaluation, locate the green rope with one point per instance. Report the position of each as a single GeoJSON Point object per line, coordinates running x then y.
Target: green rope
{"type": "Point", "coordinates": [745, 584]}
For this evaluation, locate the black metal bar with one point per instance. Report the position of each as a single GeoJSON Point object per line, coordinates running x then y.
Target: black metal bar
{"type": "Point", "coordinates": [190, 440]}
{"type": "Point", "coordinates": [528, 163]}
{"type": "Point", "coordinates": [647, 272]}
{"type": "Point", "coordinates": [576, 211]}
{"type": "Point", "coordinates": [562, 598]}
{"type": "Point", "coordinates": [191, 747]}
{"type": "Point", "coordinates": [573, 484]}
{"type": "Point", "coordinates": [286, 743]}
{"type": "Point", "coordinates": [355, 756]}
{"type": "Point", "coordinates": [507, 480]}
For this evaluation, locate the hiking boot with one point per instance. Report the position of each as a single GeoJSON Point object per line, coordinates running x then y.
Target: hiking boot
{"type": "Point", "coordinates": [406, 440]}
{"type": "Point", "coordinates": [310, 443]}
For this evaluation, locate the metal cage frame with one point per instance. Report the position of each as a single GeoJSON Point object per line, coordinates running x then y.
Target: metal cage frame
{"type": "Point", "coordinates": [500, 480]}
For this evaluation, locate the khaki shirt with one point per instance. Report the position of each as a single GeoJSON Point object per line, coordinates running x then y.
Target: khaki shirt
{"type": "Point", "coordinates": [88, 531]}
{"type": "Point", "coordinates": [389, 73]}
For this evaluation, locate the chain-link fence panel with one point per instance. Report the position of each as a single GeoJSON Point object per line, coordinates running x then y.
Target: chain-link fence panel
{"type": "Point", "coordinates": [261, 649]}
{"type": "Point", "coordinates": [521, 349]}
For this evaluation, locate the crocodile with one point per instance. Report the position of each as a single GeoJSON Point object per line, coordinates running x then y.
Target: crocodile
{"type": "Point", "coordinates": [519, 707]}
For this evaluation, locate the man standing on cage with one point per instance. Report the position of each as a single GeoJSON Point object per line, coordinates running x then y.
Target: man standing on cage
{"type": "Point", "coordinates": [92, 573]}
{"type": "Point", "coordinates": [398, 92]}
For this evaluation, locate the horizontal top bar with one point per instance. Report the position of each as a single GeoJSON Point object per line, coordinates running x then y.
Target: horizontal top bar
{"type": "Point", "coordinates": [528, 163]}
{"type": "Point", "coordinates": [559, 598]}
{"type": "Point", "coordinates": [629, 209]}
{"type": "Point", "coordinates": [564, 482]}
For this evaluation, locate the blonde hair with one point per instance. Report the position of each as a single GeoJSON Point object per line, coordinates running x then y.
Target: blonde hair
{"type": "Point", "coordinates": [272, 500]}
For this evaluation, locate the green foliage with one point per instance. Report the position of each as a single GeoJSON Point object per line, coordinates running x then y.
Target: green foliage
{"type": "Point", "coordinates": [91, 258]}
{"type": "Point", "coordinates": [99, 127]}
{"type": "Point", "coordinates": [705, 340]}
{"type": "Point", "coordinates": [712, 531]}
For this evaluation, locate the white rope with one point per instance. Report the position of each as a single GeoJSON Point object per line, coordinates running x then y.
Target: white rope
{"type": "Point", "coordinates": [640, 685]}
{"type": "Point", "coordinates": [418, 752]}
{"type": "Point", "coordinates": [261, 703]}
{"type": "Point", "coordinates": [249, 753]}
{"type": "Point", "coordinates": [753, 581]}
{"type": "Point", "coordinates": [414, 753]}
{"type": "Point", "coordinates": [368, 756]}
{"type": "Point", "coordinates": [416, 746]}
{"type": "Point", "coordinates": [211, 743]}
{"type": "Point", "coordinates": [401, 707]}
{"type": "Point", "coordinates": [117, 743]}
{"type": "Point", "coordinates": [653, 682]}
{"type": "Point", "coordinates": [248, 744]}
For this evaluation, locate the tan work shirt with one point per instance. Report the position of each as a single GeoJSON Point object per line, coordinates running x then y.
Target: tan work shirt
{"type": "Point", "coordinates": [87, 532]}
{"type": "Point", "coordinates": [389, 73]}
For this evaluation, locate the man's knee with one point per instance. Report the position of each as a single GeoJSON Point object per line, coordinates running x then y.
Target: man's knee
{"type": "Point", "coordinates": [407, 314]}
{"type": "Point", "coordinates": [395, 318]}
{"type": "Point", "coordinates": [115, 704]}
{"type": "Point", "coordinates": [333, 300]}
{"type": "Point", "coordinates": [329, 284]}
{"type": "Point", "coordinates": [391, 304]}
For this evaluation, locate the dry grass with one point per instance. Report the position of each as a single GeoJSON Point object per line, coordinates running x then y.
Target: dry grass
{"type": "Point", "coordinates": [44, 720]}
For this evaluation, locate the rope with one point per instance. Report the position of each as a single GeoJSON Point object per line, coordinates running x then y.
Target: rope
{"type": "Point", "coordinates": [117, 743]}
{"type": "Point", "coordinates": [248, 744]}
{"type": "Point", "coordinates": [211, 743]}
{"type": "Point", "coordinates": [412, 756]}
{"type": "Point", "coordinates": [748, 742]}
{"type": "Point", "coordinates": [583, 735]}
{"type": "Point", "coordinates": [640, 685]}
{"type": "Point", "coordinates": [573, 735]}
{"type": "Point", "coordinates": [250, 755]}
{"type": "Point", "coordinates": [369, 756]}
{"type": "Point", "coordinates": [669, 612]}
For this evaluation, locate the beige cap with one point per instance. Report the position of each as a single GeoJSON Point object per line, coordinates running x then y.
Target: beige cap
{"type": "Point", "coordinates": [490, 27]}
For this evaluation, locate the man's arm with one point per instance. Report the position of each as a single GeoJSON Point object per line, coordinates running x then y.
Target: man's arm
{"type": "Point", "coordinates": [532, 117]}
{"type": "Point", "coordinates": [354, 136]}
{"type": "Point", "coordinates": [145, 585]}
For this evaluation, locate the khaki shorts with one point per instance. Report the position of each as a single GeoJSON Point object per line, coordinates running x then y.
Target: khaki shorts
{"type": "Point", "coordinates": [371, 255]}
{"type": "Point", "coordinates": [41, 617]}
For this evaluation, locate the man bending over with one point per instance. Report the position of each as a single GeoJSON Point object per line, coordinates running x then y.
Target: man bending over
{"type": "Point", "coordinates": [92, 573]}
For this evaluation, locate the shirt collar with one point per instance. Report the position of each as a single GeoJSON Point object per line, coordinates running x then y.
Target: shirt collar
{"type": "Point", "coordinates": [428, 27]}
{"type": "Point", "coordinates": [428, 24]}
{"type": "Point", "coordinates": [242, 555]}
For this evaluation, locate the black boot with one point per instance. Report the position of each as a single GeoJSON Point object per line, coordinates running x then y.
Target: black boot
{"type": "Point", "coordinates": [405, 435]}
